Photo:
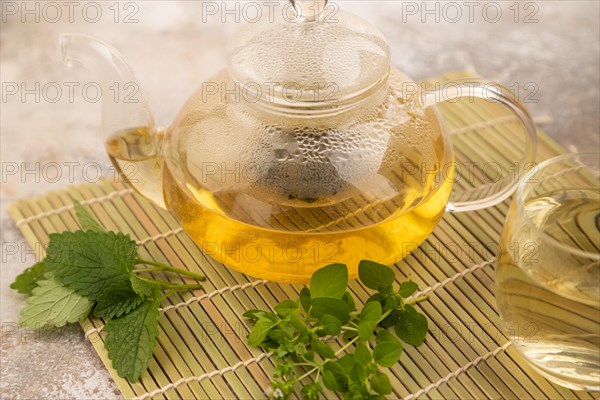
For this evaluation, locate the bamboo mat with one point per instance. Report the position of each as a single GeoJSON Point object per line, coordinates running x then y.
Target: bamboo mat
{"type": "Point", "coordinates": [201, 351]}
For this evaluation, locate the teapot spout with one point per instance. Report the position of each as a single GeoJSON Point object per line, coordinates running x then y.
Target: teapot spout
{"type": "Point", "coordinates": [123, 104]}
{"type": "Point", "coordinates": [131, 138]}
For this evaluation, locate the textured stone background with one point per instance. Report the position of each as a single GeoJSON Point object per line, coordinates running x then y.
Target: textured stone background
{"type": "Point", "coordinates": [173, 50]}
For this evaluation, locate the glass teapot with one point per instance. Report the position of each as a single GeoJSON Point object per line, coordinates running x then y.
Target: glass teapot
{"type": "Point", "coordinates": [308, 149]}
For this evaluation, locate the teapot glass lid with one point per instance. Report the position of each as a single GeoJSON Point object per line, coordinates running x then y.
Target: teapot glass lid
{"type": "Point", "coordinates": [310, 52]}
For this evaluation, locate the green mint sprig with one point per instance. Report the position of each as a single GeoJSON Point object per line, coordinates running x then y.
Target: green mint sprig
{"type": "Point", "coordinates": [93, 270]}
{"type": "Point", "coordinates": [299, 333]}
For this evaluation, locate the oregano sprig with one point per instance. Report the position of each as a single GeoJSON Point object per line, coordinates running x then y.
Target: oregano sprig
{"type": "Point", "coordinates": [300, 333]}
{"type": "Point", "coordinates": [94, 270]}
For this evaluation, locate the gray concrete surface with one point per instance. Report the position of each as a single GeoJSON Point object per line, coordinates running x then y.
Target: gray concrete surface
{"type": "Point", "coordinates": [552, 56]}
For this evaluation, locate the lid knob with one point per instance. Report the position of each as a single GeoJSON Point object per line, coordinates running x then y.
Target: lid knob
{"type": "Point", "coordinates": [308, 10]}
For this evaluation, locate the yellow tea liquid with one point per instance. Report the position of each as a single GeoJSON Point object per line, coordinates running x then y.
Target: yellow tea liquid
{"type": "Point", "coordinates": [292, 256]}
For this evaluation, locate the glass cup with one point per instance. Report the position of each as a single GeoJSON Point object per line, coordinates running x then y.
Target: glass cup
{"type": "Point", "coordinates": [548, 270]}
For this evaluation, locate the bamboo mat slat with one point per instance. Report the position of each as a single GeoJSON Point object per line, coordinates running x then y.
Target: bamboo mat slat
{"type": "Point", "coordinates": [201, 351]}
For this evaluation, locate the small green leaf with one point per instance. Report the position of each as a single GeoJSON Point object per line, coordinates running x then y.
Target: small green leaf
{"type": "Point", "coordinates": [407, 289]}
{"type": "Point", "coordinates": [52, 304]}
{"type": "Point", "coordinates": [374, 275]}
{"type": "Point", "coordinates": [330, 325]}
{"type": "Point", "coordinates": [358, 373]}
{"type": "Point", "coordinates": [330, 381]}
{"type": "Point", "coordinates": [89, 262]}
{"type": "Point", "coordinates": [329, 281]}
{"type": "Point", "coordinates": [376, 297]}
{"type": "Point", "coordinates": [327, 305]}
{"type": "Point", "coordinates": [116, 300]}
{"type": "Point", "coordinates": [256, 314]}
{"type": "Point", "coordinates": [386, 336]}
{"type": "Point", "coordinates": [286, 307]}
{"type": "Point", "coordinates": [276, 334]}
{"type": "Point", "coordinates": [311, 391]}
{"type": "Point", "coordinates": [347, 362]}
{"type": "Point", "coordinates": [391, 302]}
{"type": "Point", "coordinates": [295, 327]}
{"type": "Point", "coordinates": [349, 301]}
{"type": "Point", "coordinates": [381, 383]}
{"type": "Point", "coordinates": [390, 320]}
{"type": "Point", "coordinates": [28, 279]}
{"type": "Point", "coordinates": [340, 375]}
{"type": "Point", "coordinates": [369, 317]}
{"type": "Point", "coordinates": [142, 287]}
{"type": "Point", "coordinates": [350, 334]}
{"type": "Point", "coordinates": [387, 353]}
{"type": "Point", "coordinates": [260, 331]}
{"type": "Point", "coordinates": [362, 354]}
{"type": "Point", "coordinates": [309, 355]}
{"type": "Point", "coordinates": [412, 326]}
{"type": "Point", "coordinates": [358, 390]}
{"type": "Point", "coordinates": [87, 221]}
{"type": "Point", "coordinates": [131, 338]}
{"type": "Point", "coordinates": [305, 298]}
{"type": "Point", "coordinates": [371, 312]}
{"type": "Point", "coordinates": [269, 344]}
{"type": "Point", "coordinates": [322, 348]}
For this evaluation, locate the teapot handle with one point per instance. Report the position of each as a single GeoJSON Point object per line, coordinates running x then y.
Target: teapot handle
{"type": "Point", "coordinates": [489, 194]}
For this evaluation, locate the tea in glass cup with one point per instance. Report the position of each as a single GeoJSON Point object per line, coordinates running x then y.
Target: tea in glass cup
{"type": "Point", "coordinates": [548, 270]}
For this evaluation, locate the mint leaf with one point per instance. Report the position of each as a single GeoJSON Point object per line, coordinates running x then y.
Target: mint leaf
{"type": "Point", "coordinates": [28, 279]}
{"type": "Point", "coordinates": [329, 281]}
{"type": "Point", "coordinates": [142, 287]}
{"type": "Point", "coordinates": [369, 317]}
{"type": "Point", "coordinates": [116, 300]}
{"type": "Point", "coordinates": [52, 304]}
{"type": "Point", "coordinates": [87, 221]}
{"type": "Point", "coordinates": [131, 338]}
{"type": "Point", "coordinates": [412, 326]}
{"type": "Point", "coordinates": [374, 275]}
{"type": "Point", "coordinates": [407, 289]}
{"type": "Point", "coordinates": [89, 262]}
